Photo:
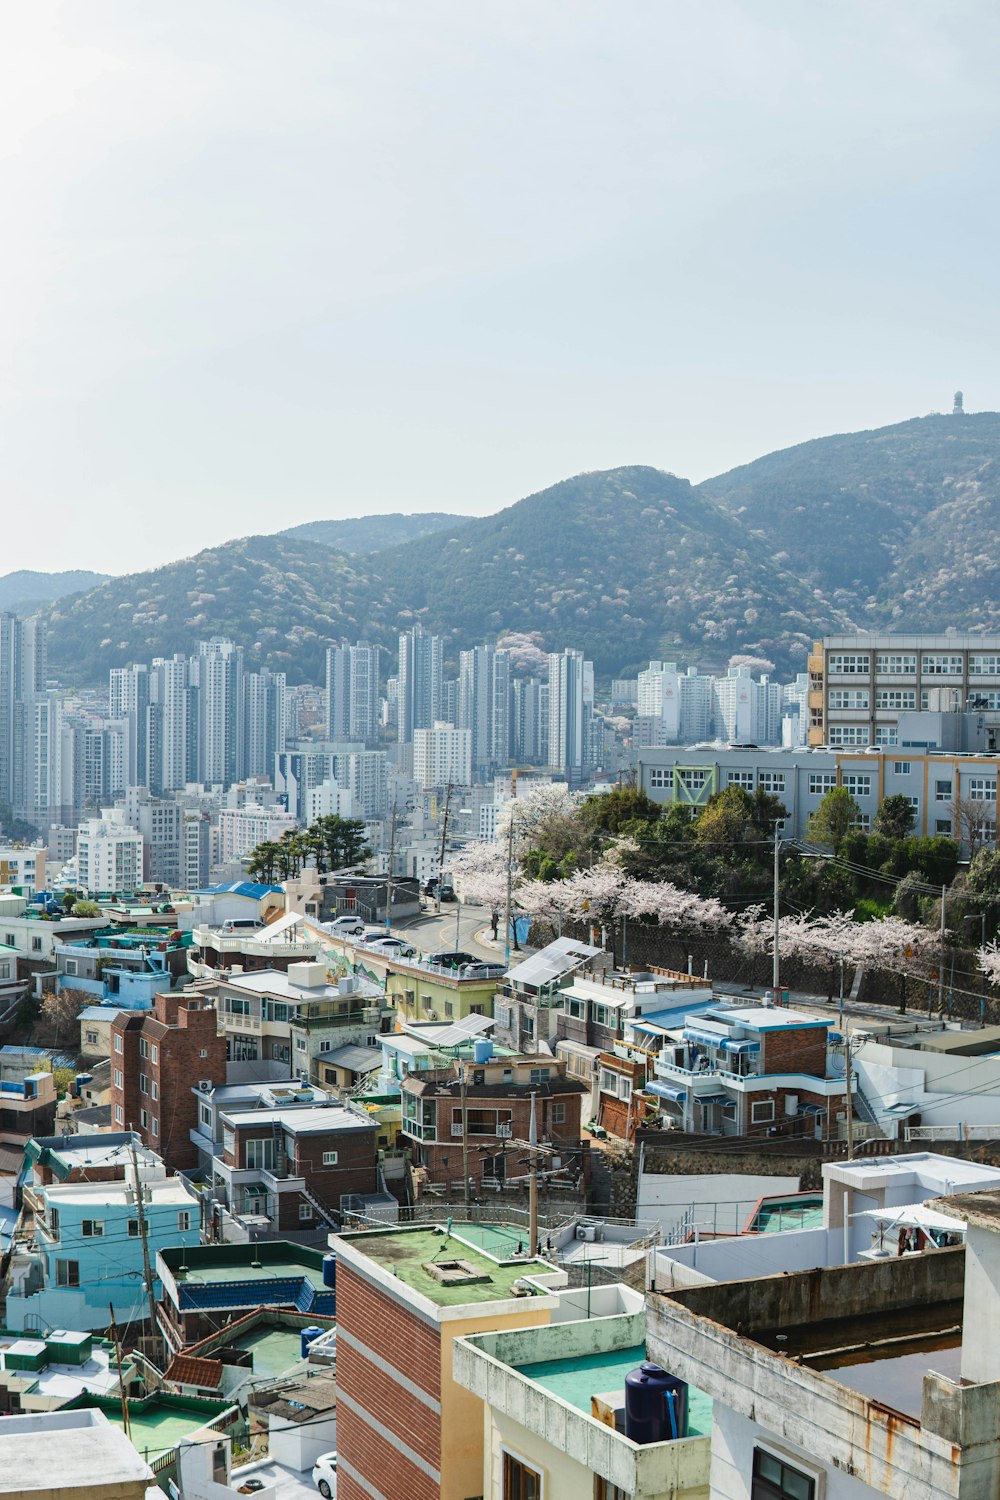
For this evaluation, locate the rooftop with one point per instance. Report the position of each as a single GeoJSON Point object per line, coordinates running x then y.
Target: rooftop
{"type": "Point", "coordinates": [44, 1450]}
{"type": "Point", "coordinates": [63, 1154]}
{"type": "Point", "coordinates": [158, 1193]}
{"type": "Point", "coordinates": [302, 1119]}
{"type": "Point", "coordinates": [406, 1253]}
{"type": "Point", "coordinates": [763, 1017]}
{"type": "Point", "coordinates": [579, 1377]}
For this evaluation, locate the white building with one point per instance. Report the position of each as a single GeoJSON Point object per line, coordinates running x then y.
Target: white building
{"type": "Point", "coordinates": [80, 1455]}
{"type": "Point", "coordinates": [109, 853]}
{"type": "Point", "coordinates": [442, 755]}
{"type": "Point", "coordinates": [329, 799]}
{"type": "Point", "coordinates": [241, 829]}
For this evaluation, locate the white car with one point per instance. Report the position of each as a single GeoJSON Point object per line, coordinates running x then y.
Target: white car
{"type": "Point", "coordinates": [324, 1474]}
{"type": "Point", "coordinates": [346, 926]}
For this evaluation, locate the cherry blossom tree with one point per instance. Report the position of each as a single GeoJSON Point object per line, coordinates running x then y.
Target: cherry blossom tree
{"type": "Point", "coordinates": [481, 869]}
{"type": "Point", "coordinates": [988, 959]}
{"type": "Point", "coordinates": [543, 809]}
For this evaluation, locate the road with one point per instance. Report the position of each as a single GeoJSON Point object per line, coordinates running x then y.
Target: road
{"type": "Point", "coordinates": [455, 928]}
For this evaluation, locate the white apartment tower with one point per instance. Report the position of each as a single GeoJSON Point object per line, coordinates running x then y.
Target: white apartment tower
{"type": "Point", "coordinates": [569, 713]}
{"type": "Point", "coordinates": [420, 682]}
{"type": "Point", "coordinates": [441, 755]}
{"type": "Point", "coordinates": [352, 692]}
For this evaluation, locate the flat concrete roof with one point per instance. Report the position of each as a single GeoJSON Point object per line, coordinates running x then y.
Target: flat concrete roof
{"type": "Point", "coordinates": [53, 1452]}
{"type": "Point", "coordinates": [301, 1119]}
{"type": "Point", "coordinates": [406, 1253]}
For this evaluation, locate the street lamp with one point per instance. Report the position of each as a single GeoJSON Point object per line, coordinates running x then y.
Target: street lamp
{"type": "Point", "coordinates": [980, 917]}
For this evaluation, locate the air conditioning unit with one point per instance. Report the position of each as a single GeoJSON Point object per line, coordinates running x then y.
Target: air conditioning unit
{"type": "Point", "coordinates": [587, 1232]}
{"type": "Point", "coordinates": [206, 1085]}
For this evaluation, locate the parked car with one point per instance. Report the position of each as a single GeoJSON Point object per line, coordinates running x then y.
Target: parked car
{"type": "Point", "coordinates": [478, 971]}
{"type": "Point", "coordinates": [451, 958]}
{"type": "Point", "coordinates": [349, 925]}
{"type": "Point", "coordinates": [393, 945]}
{"type": "Point", "coordinates": [324, 1474]}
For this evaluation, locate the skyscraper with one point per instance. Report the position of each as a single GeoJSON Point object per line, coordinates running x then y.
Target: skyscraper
{"type": "Point", "coordinates": [421, 672]}
{"type": "Point", "coordinates": [352, 692]}
{"type": "Point", "coordinates": [484, 705]}
{"type": "Point", "coordinates": [569, 714]}
{"type": "Point", "coordinates": [219, 668]}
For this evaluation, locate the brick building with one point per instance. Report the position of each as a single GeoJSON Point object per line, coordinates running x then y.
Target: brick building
{"type": "Point", "coordinates": [295, 1165]}
{"type": "Point", "coordinates": [497, 1112]}
{"type": "Point", "coordinates": [155, 1059]}
{"type": "Point", "coordinates": [404, 1427]}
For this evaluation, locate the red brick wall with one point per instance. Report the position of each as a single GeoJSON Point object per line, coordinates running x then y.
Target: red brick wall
{"type": "Point", "coordinates": [410, 1346]}
{"type": "Point", "coordinates": [180, 1035]}
{"type": "Point", "coordinates": [795, 1051]}
{"type": "Point", "coordinates": [565, 1133]}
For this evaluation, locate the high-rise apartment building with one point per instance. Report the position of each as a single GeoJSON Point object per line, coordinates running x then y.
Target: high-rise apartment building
{"type": "Point", "coordinates": [352, 692]}
{"type": "Point", "coordinates": [109, 853]}
{"type": "Point", "coordinates": [570, 708]}
{"type": "Point", "coordinates": [420, 680]}
{"type": "Point", "coordinates": [484, 706]}
{"type": "Point", "coordinates": [441, 755]}
{"type": "Point", "coordinates": [219, 670]}
{"type": "Point", "coordinates": [264, 722]}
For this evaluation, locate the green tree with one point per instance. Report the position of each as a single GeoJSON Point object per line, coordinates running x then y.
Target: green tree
{"type": "Point", "coordinates": [894, 818]}
{"type": "Point", "coordinates": [618, 811]}
{"type": "Point", "coordinates": [262, 863]}
{"type": "Point", "coordinates": [86, 909]}
{"type": "Point", "coordinates": [833, 820]}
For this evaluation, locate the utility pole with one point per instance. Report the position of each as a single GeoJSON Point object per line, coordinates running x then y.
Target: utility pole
{"type": "Point", "coordinates": [444, 835]}
{"type": "Point", "coordinates": [467, 1191]}
{"type": "Point", "coordinates": [144, 1237]}
{"type": "Point", "coordinates": [776, 964]}
{"type": "Point", "coordinates": [389, 870]}
{"type": "Point", "coordinates": [510, 878]}
{"type": "Point", "coordinates": [126, 1423]}
{"type": "Point", "coordinates": [533, 1182]}
{"type": "Point", "coordinates": [849, 1097]}
{"type": "Point", "coordinates": [941, 959]}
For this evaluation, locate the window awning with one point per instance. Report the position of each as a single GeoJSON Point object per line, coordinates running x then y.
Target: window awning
{"type": "Point", "coordinates": [667, 1091]}
{"type": "Point", "coordinates": [712, 1098]}
{"type": "Point", "coordinates": [730, 1046]}
{"type": "Point", "coordinates": [708, 1038]}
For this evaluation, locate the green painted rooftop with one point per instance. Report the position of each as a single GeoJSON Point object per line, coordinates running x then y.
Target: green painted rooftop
{"type": "Point", "coordinates": [227, 1270]}
{"type": "Point", "coordinates": [274, 1350]}
{"type": "Point", "coordinates": [406, 1252]}
{"type": "Point", "coordinates": [579, 1377]}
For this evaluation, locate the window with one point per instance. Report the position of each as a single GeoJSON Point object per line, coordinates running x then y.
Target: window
{"type": "Point", "coordinates": [984, 666]}
{"type": "Point", "coordinates": [143, 1084]}
{"type": "Point", "coordinates": [119, 1114]}
{"type": "Point", "coordinates": [92, 1229]}
{"type": "Point", "coordinates": [659, 776]}
{"type": "Point", "coordinates": [305, 1212]}
{"type": "Point", "coordinates": [539, 1075]}
{"type": "Point", "coordinates": [36, 947]}
{"type": "Point", "coordinates": [184, 1219]}
{"type": "Point", "coordinates": [942, 791]}
{"type": "Point", "coordinates": [91, 1037]}
{"type": "Point", "coordinates": [71, 966]}
{"type": "Point", "coordinates": [260, 1154]}
{"type": "Point", "coordinates": [522, 1483]}
{"type": "Point", "coordinates": [692, 779]}
{"type": "Point", "coordinates": [237, 1007]}
{"type": "Point", "coordinates": [154, 1089]}
{"type": "Point", "coordinates": [609, 1081]}
{"type": "Point", "coordinates": [848, 664]}
{"type": "Point", "coordinates": [848, 734]}
{"type": "Point", "coordinates": [894, 665]}
{"type": "Point", "coordinates": [449, 1008]}
{"type": "Point", "coordinates": [144, 1118]}
{"type": "Point", "coordinates": [982, 789]}
{"type": "Point", "coordinates": [771, 781]}
{"type": "Point", "coordinates": [848, 698]}
{"type": "Point", "coordinates": [914, 803]}
{"type": "Point", "coordinates": [934, 664]}
{"type": "Point", "coordinates": [558, 1112]}
{"type": "Point", "coordinates": [575, 1008]}
{"type": "Point", "coordinates": [761, 1111]}
{"type": "Point", "coordinates": [156, 1126]}
{"type": "Point", "coordinates": [300, 1044]}
{"type": "Point", "coordinates": [133, 1229]}
{"type": "Point", "coordinates": [858, 785]}
{"type": "Point", "coordinates": [143, 1047]}
{"type": "Point", "coordinates": [154, 1054]}
{"type": "Point", "coordinates": [943, 825]}
{"type": "Point", "coordinates": [67, 1273]}
{"type": "Point", "coordinates": [206, 1116]}
{"type": "Point", "coordinates": [773, 1479]}
{"type": "Point", "coordinates": [988, 698]}
{"type": "Point", "coordinates": [896, 698]}
{"type": "Point", "coordinates": [740, 778]}
{"type": "Point", "coordinates": [203, 1052]}
{"type": "Point", "coordinates": [863, 822]}
{"type": "Point", "coordinates": [819, 785]}
{"type": "Point", "coordinates": [886, 734]}
{"type": "Point", "coordinates": [329, 1158]}
{"type": "Point", "coordinates": [119, 1079]}
{"type": "Point", "coordinates": [118, 1042]}
{"type": "Point", "coordinates": [9, 940]}
{"type": "Point", "coordinates": [901, 768]}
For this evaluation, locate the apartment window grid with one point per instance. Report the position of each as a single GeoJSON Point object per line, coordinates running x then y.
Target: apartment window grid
{"type": "Point", "coordinates": [848, 698]}
{"type": "Point", "coordinates": [858, 784]}
{"type": "Point", "coordinates": [693, 780]}
{"type": "Point", "coordinates": [982, 789]}
{"type": "Point", "coordinates": [848, 734]}
{"type": "Point", "coordinates": [937, 664]}
{"type": "Point", "coordinates": [987, 698]}
{"type": "Point", "coordinates": [984, 666]}
{"type": "Point", "coordinates": [942, 790]}
{"type": "Point", "coordinates": [886, 734]}
{"type": "Point", "coordinates": [771, 781]}
{"type": "Point", "coordinates": [898, 698]}
{"type": "Point", "coordinates": [863, 822]}
{"type": "Point", "coordinates": [849, 663]}
{"type": "Point", "coordinates": [896, 664]}
{"type": "Point", "coordinates": [822, 782]}
{"type": "Point", "coordinates": [740, 778]}
{"type": "Point", "coordinates": [659, 776]}
{"type": "Point", "coordinates": [901, 768]}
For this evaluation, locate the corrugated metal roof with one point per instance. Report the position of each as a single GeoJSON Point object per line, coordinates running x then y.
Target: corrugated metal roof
{"type": "Point", "coordinates": [552, 962]}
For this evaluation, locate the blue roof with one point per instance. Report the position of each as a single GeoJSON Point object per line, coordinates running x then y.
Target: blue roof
{"type": "Point", "coordinates": [240, 888]}
{"type": "Point", "coordinates": [674, 1015]}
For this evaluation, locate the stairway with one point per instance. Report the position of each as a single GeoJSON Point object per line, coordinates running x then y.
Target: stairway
{"type": "Point", "coordinates": [326, 1214]}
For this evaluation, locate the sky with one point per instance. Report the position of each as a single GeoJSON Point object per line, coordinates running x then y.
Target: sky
{"type": "Point", "coordinates": [270, 261]}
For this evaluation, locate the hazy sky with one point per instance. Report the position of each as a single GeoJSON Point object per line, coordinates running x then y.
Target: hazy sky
{"type": "Point", "coordinates": [264, 261]}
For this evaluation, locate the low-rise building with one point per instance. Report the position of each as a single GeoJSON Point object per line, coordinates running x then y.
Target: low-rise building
{"type": "Point", "coordinates": [293, 1167]}
{"type": "Point", "coordinates": [27, 1093]}
{"type": "Point", "coordinates": [79, 1454]}
{"type": "Point", "coordinates": [468, 1116]}
{"type": "Point", "coordinates": [405, 1425]}
{"type": "Point", "coordinates": [424, 991]}
{"type": "Point", "coordinates": [245, 945]}
{"type": "Point", "coordinates": [122, 969]}
{"type": "Point", "coordinates": [22, 866]}
{"type": "Point", "coordinates": [208, 1285]}
{"type": "Point", "coordinates": [556, 1420]}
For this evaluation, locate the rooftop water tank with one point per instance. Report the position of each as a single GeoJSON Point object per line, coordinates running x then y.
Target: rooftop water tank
{"type": "Point", "coordinates": [330, 1270]}
{"type": "Point", "coordinates": [306, 1337]}
{"type": "Point", "coordinates": [655, 1405]}
{"type": "Point", "coordinates": [482, 1049]}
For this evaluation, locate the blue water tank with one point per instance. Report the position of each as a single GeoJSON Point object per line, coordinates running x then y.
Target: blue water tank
{"type": "Point", "coordinates": [482, 1049]}
{"type": "Point", "coordinates": [306, 1337]}
{"type": "Point", "coordinates": [655, 1405]}
{"type": "Point", "coordinates": [330, 1270]}
{"type": "Point", "coordinates": [79, 1081]}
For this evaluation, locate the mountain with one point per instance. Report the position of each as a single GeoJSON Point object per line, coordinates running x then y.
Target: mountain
{"type": "Point", "coordinates": [891, 528]}
{"type": "Point", "coordinates": [359, 534]}
{"type": "Point", "coordinates": [25, 590]}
